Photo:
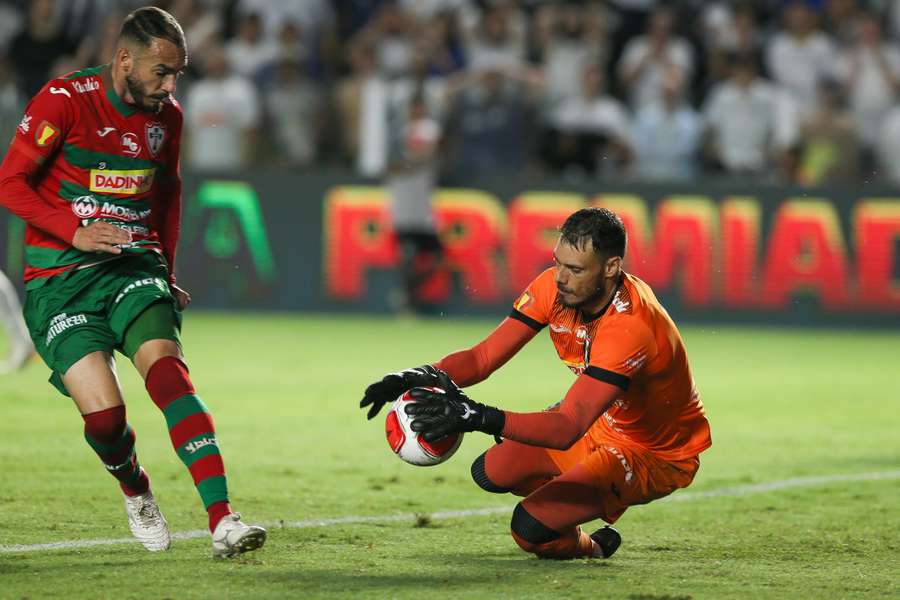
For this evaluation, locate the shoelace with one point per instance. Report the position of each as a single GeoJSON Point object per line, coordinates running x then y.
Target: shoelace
{"type": "Point", "coordinates": [148, 515]}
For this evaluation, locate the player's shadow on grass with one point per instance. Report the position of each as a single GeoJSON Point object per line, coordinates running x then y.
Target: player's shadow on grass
{"type": "Point", "coordinates": [369, 584]}
{"type": "Point", "coordinates": [509, 561]}
{"type": "Point", "coordinates": [438, 571]}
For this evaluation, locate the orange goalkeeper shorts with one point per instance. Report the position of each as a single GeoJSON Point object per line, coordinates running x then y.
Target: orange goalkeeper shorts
{"type": "Point", "coordinates": [626, 474]}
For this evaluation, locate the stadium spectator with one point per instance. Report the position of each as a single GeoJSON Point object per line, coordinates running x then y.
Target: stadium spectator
{"type": "Point", "coordinates": [568, 38]}
{"type": "Point", "coordinates": [730, 26]}
{"type": "Point", "coordinates": [631, 18]}
{"type": "Point", "coordinates": [294, 115]}
{"type": "Point", "coordinates": [411, 175]}
{"type": "Point", "coordinates": [424, 10]}
{"type": "Point", "coordinates": [96, 48]}
{"type": "Point", "coordinates": [498, 41]}
{"type": "Point", "coordinates": [291, 43]}
{"type": "Point", "coordinates": [892, 16]}
{"type": "Point", "coordinates": [248, 52]}
{"type": "Point", "coordinates": [830, 140]}
{"type": "Point", "coordinates": [798, 56]}
{"type": "Point", "coordinates": [491, 116]}
{"type": "Point", "coordinates": [870, 70]}
{"type": "Point", "coordinates": [84, 19]}
{"type": "Point", "coordinates": [654, 57]}
{"type": "Point", "coordinates": [202, 27]}
{"type": "Point", "coordinates": [729, 30]}
{"type": "Point", "coordinates": [348, 97]}
{"type": "Point", "coordinates": [435, 44]}
{"type": "Point", "coordinates": [313, 20]}
{"type": "Point", "coordinates": [667, 137]}
{"type": "Point", "coordinates": [310, 15]}
{"type": "Point", "coordinates": [589, 132]}
{"type": "Point", "coordinates": [221, 116]}
{"type": "Point", "coordinates": [840, 18]}
{"type": "Point", "coordinates": [351, 17]}
{"type": "Point", "coordinates": [391, 34]}
{"type": "Point", "coordinates": [888, 148]}
{"type": "Point", "coordinates": [39, 44]}
{"type": "Point", "coordinates": [443, 45]}
{"type": "Point", "coordinates": [11, 22]}
{"type": "Point", "coordinates": [372, 106]}
{"type": "Point", "coordinates": [750, 123]}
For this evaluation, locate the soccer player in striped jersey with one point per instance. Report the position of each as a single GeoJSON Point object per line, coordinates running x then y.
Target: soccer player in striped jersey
{"type": "Point", "coordinates": [93, 170]}
{"type": "Point", "coordinates": [628, 431]}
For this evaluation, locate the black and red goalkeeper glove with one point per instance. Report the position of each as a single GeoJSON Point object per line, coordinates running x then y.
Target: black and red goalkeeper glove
{"type": "Point", "coordinates": [436, 415]}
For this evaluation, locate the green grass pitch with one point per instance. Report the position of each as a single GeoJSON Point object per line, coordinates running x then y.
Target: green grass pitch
{"type": "Point", "coordinates": [785, 406]}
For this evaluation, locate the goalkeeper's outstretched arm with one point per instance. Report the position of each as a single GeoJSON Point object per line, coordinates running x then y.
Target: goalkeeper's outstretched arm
{"type": "Point", "coordinates": [473, 365]}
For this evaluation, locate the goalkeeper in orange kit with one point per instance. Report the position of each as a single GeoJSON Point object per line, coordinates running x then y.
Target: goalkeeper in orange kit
{"type": "Point", "coordinates": [628, 431]}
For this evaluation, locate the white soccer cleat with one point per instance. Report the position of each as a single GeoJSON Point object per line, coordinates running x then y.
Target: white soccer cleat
{"type": "Point", "coordinates": [232, 537]}
{"type": "Point", "coordinates": [147, 522]}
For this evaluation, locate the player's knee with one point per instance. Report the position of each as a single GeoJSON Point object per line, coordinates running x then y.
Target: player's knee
{"type": "Point", "coordinates": [480, 476]}
{"type": "Point", "coordinates": [530, 534]}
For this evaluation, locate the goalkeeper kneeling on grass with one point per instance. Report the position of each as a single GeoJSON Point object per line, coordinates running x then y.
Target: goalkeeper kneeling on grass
{"type": "Point", "coordinates": [628, 431]}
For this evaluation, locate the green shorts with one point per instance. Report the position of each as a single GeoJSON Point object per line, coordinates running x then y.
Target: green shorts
{"type": "Point", "coordinates": [92, 309]}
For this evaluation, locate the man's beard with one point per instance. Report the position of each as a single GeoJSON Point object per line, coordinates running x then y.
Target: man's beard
{"type": "Point", "coordinates": [142, 100]}
{"type": "Point", "coordinates": [599, 292]}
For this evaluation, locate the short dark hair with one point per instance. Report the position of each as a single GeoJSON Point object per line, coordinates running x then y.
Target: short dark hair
{"type": "Point", "coordinates": [601, 226]}
{"type": "Point", "coordinates": [149, 22]}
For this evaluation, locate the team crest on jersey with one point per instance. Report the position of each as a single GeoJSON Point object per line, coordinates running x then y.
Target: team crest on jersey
{"type": "Point", "coordinates": [85, 207]}
{"type": "Point", "coordinates": [156, 135]}
{"type": "Point", "coordinates": [45, 133]}
{"type": "Point", "coordinates": [130, 144]}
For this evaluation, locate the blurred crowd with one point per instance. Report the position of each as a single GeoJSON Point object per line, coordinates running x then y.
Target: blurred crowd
{"type": "Point", "coordinates": [787, 91]}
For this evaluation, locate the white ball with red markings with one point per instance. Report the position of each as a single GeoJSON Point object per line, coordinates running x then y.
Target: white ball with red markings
{"type": "Point", "coordinates": [408, 445]}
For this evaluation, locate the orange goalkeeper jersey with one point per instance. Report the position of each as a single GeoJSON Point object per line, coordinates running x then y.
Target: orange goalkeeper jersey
{"type": "Point", "coordinates": [634, 345]}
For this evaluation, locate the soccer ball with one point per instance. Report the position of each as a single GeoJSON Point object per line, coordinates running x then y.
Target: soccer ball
{"type": "Point", "coordinates": [407, 444]}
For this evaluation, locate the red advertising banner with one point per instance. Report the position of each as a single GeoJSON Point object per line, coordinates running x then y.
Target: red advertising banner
{"type": "Point", "coordinates": [708, 252]}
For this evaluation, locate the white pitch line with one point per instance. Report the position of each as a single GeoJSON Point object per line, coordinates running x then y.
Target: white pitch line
{"type": "Point", "coordinates": [784, 484]}
{"type": "Point", "coordinates": [741, 490]}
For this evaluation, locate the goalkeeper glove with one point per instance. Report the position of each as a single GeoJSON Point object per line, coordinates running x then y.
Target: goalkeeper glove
{"type": "Point", "coordinates": [393, 385]}
{"type": "Point", "coordinates": [436, 415]}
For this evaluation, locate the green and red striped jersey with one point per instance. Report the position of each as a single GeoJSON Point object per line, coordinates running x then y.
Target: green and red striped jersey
{"type": "Point", "coordinates": [81, 154]}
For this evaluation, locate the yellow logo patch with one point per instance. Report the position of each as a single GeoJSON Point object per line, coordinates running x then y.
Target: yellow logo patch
{"type": "Point", "coordinates": [45, 133]}
{"type": "Point", "coordinates": [121, 182]}
{"type": "Point", "coordinates": [524, 301]}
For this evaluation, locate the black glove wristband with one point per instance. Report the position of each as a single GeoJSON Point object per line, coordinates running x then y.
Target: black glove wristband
{"type": "Point", "coordinates": [493, 420]}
